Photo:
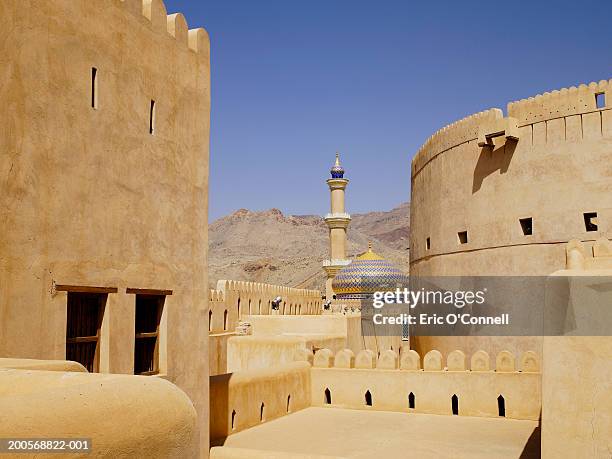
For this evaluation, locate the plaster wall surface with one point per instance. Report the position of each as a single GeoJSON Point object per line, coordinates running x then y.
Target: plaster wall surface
{"type": "Point", "coordinates": [92, 197]}
{"type": "Point", "coordinates": [309, 325]}
{"type": "Point", "coordinates": [260, 352]}
{"type": "Point", "coordinates": [577, 374]}
{"type": "Point", "coordinates": [576, 388]}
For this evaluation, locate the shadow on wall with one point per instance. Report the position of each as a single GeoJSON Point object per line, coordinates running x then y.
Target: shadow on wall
{"type": "Point", "coordinates": [492, 160]}
{"type": "Point", "coordinates": [533, 449]}
{"type": "Point", "coordinates": [219, 406]}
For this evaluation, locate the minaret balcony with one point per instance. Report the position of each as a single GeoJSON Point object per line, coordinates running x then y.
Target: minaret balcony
{"type": "Point", "coordinates": [337, 220]}
{"type": "Point", "coordinates": [336, 262]}
{"type": "Point", "coordinates": [337, 183]}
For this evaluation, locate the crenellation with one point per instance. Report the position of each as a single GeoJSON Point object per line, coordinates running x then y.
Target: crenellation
{"type": "Point", "coordinates": [323, 358]}
{"type": "Point", "coordinates": [388, 360]}
{"type": "Point", "coordinates": [345, 358]}
{"type": "Point", "coordinates": [177, 27]}
{"type": "Point", "coordinates": [455, 361]}
{"type": "Point", "coordinates": [505, 361]}
{"type": "Point", "coordinates": [454, 134]}
{"type": "Point", "coordinates": [530, 362]}
{"type": "Point", "coordinates": [199, 41]}
{"type": "Point", "coordinates": [480, 361]}
{"type": "Point", "coordinates": [432, 361]}
{"type": "Point", "coordinates": [410, 360]}
{"type": "Point", "coordinates": [366, 359]}
{"type": "Point", "coordinates": [174, 24]}
{"type": "Point", "coordinates": [559, 103]}
{"type": "Point", "coordinates": [155, 12]}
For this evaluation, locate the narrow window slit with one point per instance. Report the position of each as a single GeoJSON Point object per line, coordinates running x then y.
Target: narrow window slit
{"type": "Point", "coordinates": [455, 405]}
{"type": "Point", "coordinates": [152, 118]}
{"type": "Point", "coordinates": [600, 100]}
{"type": "Point", "coordinates": [288, 403]}
{"type": "Point", "coordinates": [225, 320]}
{"type": "Point", "coordinates": [262, 412]}
{"type": "Point", "coordinates": [427, 244]}
{"type": "Point", "coordinates": [233, 419]}
{"type": "Point", "coordinates": [463, 237]}
{"type": "Point", "coordinates": [411, 401]}
{"type": "Point", "coordinates": [368, 398]}
{"type": "Point", "coordinates": [328, 398]}
{"type": "Point", "coordinates": [501, 406]}
{"type": "Point", "coordinates": [94, 88]}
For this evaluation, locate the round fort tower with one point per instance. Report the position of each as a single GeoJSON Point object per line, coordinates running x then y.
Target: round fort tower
{"type": "Point", "coordinates": [496, 196]}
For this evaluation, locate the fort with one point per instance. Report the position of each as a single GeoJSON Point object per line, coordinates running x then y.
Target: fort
{"type": "Point", "coordinates": [108, 329]}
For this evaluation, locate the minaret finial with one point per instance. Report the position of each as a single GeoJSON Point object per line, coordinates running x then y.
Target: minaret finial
{"type": "Point", "coordinates": [337, 171]}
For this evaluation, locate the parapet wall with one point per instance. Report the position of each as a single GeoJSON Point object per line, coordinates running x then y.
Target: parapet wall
{"type": "Point", "coordinates": [552, 105]}
{"type": "Point", "coordinates": [450, 136]}
{"type": "Point", "coordinates": [391, 383]}
{"type": "Point", "coordinates": [248, 398]}
{"type": "Point", "coordinates": [560, 103]}
{"type": "Point", "coordinates": [233, 300]}
{"type": "Point", "coordinates": [386, 383]}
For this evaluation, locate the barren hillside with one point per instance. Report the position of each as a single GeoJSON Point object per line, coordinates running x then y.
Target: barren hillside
{"type": "Point", "coordinates": [289, 249]}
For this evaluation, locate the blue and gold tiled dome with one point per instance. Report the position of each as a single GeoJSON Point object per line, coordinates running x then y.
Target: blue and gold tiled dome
{"type": "Point", "coordinates": [367, 274]}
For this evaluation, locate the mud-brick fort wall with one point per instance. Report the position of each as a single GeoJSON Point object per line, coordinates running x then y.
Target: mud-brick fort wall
{"type": "Point", "coordinates": [232, 301]}
{"type": "Point", "coordinates": [551, 164]}
{"type": "Point", "coordinates": [104, 136]}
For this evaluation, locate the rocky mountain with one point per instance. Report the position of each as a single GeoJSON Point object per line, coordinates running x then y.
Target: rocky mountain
{"type": "Point", "coordinates": [289, 249]}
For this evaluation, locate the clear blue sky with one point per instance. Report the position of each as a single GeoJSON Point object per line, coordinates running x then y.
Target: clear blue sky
{"type": "Point", "coordinates": [294, 81]}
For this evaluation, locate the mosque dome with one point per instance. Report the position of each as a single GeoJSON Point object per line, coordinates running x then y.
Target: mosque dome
{"type": "Point", "coordinates": [367, 274]}
{"type": "Point", "coordinates": [337, 171]}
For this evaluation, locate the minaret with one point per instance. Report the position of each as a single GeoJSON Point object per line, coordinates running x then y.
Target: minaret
{"type": "Point", "coordinates": [337, 222]}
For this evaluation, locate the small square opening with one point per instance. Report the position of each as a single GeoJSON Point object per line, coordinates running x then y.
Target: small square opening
{"type": "Point", "coordinates": [600, 100]}
{"type": "Point", "coordinates": [526, 226]}
{"type": "Point", "coordinates": [427, 244]}
{"type": "Point", "coordinates": [590, 221]}
{"type": "Point", "coordinates": [463, 237]}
